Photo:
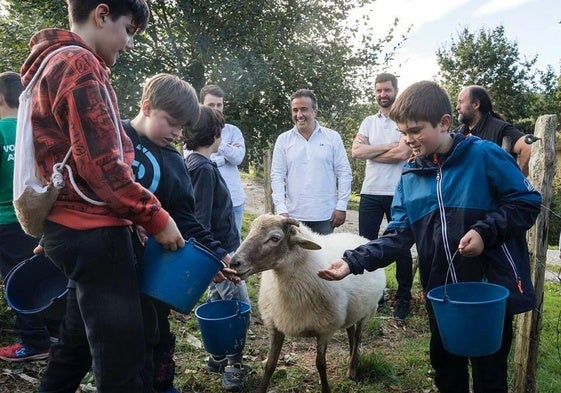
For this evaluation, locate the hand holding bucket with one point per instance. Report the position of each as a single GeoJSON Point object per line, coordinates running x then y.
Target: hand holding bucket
{"type": "Point", "coordinates": [178, 278]}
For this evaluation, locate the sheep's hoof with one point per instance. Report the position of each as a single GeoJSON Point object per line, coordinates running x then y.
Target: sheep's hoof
{"type": "Point", "coordinates": [352, 375]}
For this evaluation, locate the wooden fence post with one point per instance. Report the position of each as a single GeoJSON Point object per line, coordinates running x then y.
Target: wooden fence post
{"type": "Point", "coordinates": [528, 328]}
{"type": "Point", "coordinates": [267, 184]}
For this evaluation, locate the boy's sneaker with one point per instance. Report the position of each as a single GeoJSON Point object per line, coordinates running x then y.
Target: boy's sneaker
{"type": "Point", "coordinates": [20, 353]}
{"type": "Point", "coordinates": [216, 365]}
{"type": "Point", "coordinates": [402, 309]}
{"type": "Point", "coordinates": [233, 377]}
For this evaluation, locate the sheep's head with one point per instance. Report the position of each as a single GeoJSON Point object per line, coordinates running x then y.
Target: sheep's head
{"type": "Point", "coordinates": [271, 238]}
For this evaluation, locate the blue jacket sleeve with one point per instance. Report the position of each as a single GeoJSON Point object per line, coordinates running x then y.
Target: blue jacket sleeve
{"type": "Point", "coordinates": [518, 201]}
{"type": "Point", "coordinates": [384, 250]}
{"type": "Point", "coordinates": [380, 252]}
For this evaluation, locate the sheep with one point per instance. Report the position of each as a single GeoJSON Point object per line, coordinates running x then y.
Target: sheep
{"type": "Point", "coordinates": [294, 301]}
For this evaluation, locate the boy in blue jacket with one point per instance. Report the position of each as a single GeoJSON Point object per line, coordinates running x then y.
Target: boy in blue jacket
{"type": "Point", "coordinates": [467, 206]}
{"type": "Point", "coordinates": [168, 104]}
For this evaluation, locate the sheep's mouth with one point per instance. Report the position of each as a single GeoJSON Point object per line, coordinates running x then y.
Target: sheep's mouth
{"type": "Point", "coordinates": [243, 273]}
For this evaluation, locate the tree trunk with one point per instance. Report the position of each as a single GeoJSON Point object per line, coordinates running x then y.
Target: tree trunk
{"type": "Point", "coordinates": [269, 208]}
{"type": "Point", "coordinates": [528, 329]}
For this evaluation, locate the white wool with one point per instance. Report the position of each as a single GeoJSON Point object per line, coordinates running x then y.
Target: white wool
{"type": "Point", "coordinates": [292, 298]}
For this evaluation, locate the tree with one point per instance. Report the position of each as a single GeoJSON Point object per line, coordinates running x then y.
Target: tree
{"type": "Point", "coordinates": [489, 59]}
{"type": "Point", "coordinates": [20, 20]}
{"type": "Point", "coordinates": [258, 51]}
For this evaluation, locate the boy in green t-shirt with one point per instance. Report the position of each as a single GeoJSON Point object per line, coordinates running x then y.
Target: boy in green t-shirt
{"type": "Point", "coordinates": [15, 245]}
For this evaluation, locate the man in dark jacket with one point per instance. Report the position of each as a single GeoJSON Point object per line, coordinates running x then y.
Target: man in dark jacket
{"type": "Point", "coordinates": [475, 112]}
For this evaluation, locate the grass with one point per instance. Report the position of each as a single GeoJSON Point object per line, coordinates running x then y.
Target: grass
{"type": "Point", "coordinates": [394, 356]}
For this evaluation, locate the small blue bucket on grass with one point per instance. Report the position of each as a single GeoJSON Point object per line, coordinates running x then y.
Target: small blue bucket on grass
{"type": "Point", "coordinates": [223, 325]}
{"type": "Point", "coordinates": [37, 286]}
{"type": "Point", "coordinates": [470, 316]}
{"type": "Point", "coordinates": [178, 278]}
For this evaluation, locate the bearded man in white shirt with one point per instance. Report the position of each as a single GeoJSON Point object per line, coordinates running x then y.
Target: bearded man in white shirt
{"type": "Point", "coordinates": [380, 143]}
{"type": "Point", "coordinates": [310, 172]}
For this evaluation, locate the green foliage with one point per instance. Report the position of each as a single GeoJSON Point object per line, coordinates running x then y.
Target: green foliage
{"type": "Point", "coordinates": [21, 20]}
{"type": "Point", "coordinates": [258, 51]}
{"type": "Point", "coordinates": [489, 59]}
{"type": "Point", "coordinates": [550, 340]}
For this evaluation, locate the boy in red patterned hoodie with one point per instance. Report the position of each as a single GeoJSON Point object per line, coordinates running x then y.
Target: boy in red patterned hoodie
{"type": "Point", "coordinates": [75, 106]}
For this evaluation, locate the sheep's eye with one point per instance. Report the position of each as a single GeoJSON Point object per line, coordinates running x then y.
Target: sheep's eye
{"type": "Point", "coordinates": [276, 238]}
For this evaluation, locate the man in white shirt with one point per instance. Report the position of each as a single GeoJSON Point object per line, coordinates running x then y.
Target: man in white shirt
{"type": "Point", "coordinates": [310, 172]}
{"type": "Point", "coordinates": [382, 146]}
{"type": "Point", "coordinates": [230, 154]}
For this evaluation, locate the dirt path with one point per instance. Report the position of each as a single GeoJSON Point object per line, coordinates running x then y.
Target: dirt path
{"type": "Point", "coordinates": [255, 203]}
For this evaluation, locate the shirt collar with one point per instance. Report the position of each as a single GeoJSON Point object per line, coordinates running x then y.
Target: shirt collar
{"type": "Point", "coordinates": [317, 128]}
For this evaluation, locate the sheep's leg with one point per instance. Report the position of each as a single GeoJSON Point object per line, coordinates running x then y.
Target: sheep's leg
{"type": "Point", "coordinates": [321, 349]}
{"type": "Point", "coordinates": [355, 348]}
{"type": "Point", "coordinates": [351, 336]}
{"type": "Point", "coordinates": [275, 346]}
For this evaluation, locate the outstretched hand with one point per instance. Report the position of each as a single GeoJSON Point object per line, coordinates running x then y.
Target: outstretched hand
{"type": "Point", "coordinates": [336, 271]}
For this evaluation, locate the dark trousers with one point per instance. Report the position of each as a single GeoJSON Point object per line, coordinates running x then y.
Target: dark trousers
{"type": "Point", "coordinates": [489, 373]}
{"type": "Point", "coordinates": [15, 246]}
{"type": "Point", "coordinates": [371, 211]}
{"type": "Point", "coordinates": [104, 326]}
{"type": "Point", "coordinates": [321, 227]}
{"type": "Point", "coordinates": [164, 365]}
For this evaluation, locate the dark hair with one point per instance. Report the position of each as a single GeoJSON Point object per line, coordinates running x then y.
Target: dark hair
{"type": "Point", "coordinates": [387, 77]}
{"type": "Point", "coordinates": [213, 90]}
{"type": "Point", "coordinates": [172, 95]}
{"type": "Point", "coordinates": [11, 88]}
{"type": "Point", "coordinates": [204, 132]}
{"type": "Point", "coordinates": [306, 93]}
{"type": "Point", "coordinates": [479, 93]}
{"type": "Point", "coordinates": [422, 101]}
{"type": "Point", "coordinates": [79, 10]}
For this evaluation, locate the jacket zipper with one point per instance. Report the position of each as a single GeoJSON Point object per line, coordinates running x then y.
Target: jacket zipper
{"type": "Point", "coordinates": [449, 256]}
{"type": "Point", "coordinates": [513, 267]}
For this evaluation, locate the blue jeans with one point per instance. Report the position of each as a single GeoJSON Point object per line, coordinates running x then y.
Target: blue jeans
{"type": "Point", "coordinates": [104, 323]}
{"type": "Point", "coordinates": [371, 211]}
{"type": "Point", "coordinates": [238, 216]}
{"type": "Point", "coordinates": [321, 227]}
{"type": "Point", "coordinates": [15, 246]}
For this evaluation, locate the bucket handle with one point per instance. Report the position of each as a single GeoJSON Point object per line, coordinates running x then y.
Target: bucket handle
{"type": "Point", "coordinates": [13, 269]}
{"type": "Point", "coordinates": [450, 265]}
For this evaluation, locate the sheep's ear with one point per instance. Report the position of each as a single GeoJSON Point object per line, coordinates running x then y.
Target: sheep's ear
{"type": "Point", "coordinates": [299, 240]}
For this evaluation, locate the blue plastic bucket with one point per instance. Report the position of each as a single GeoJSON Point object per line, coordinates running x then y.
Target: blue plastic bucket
{"type": "Point", "coordinates": [178, 278]}
{"type": "Point", "coordinates": [223, 325]}
{"type": "Point", "coordinates": [470, 316]}
{"type": "Point", "coordinates": [37, 286]}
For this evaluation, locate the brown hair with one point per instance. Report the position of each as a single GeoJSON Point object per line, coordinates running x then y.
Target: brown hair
{"type": "Point", "coordinates": [79, 11]}
{"type": "Point", "coordinates": [173, 95]}
{"type": "Point", "coordinates": [306, 93]}
{"type": "Point", "coordinates": [213, 90]}
{"type": "Point", "coordinates": [387, 77]}
{"type": "Point", "coordinates": [11, 88]}
{"type": "Point", "coordinates": [204, 132]}
{"type": "Point", "coordinates": [422, 101]}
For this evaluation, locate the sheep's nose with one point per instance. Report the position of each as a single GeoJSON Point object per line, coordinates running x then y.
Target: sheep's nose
{"type": "Point", "coordinates": [235, 262]}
